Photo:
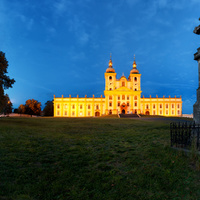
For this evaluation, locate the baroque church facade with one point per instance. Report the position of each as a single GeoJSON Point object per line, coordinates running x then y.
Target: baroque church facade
{"type": "Point", "coordinates": [121, 96]}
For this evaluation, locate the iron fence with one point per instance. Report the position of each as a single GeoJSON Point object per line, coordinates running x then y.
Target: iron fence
{"type": "Point", "coordinates": [183, 135]}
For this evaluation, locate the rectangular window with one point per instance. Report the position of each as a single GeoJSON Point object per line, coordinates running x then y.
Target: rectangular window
{"type": "Point", "coordinates": [81, 106]}
{"type": "Point", "coordinates": [97, 107]}
{"type": "Point", "coordinates": [160, 112]}
{"type": "Point", "coordinates": [172, 112]}
{"type": "Point", "coordinates": [73, 106]}
{"type": "Point", "coordinates": [135, 104]}
{"type": "Point", "coordinates": [89, 106]}
{"type": "Point", "coordinates": [58, 106]}
{"type": "Point", "coordinates": [178, 112]}
{"type": "Point", "coordinates": [88, 113]}
{"type": "Point", "coordinates": [128, 104]}
{"type": "Point", "coordinates": [147, 106]}
{"type": "Point", "coordinates": [178, 106]}
{"type": "Point", "coordinates": [65, 106]}
{"type": "Point", "coordinates": [58, 112]}
{"type": "Point", "coordinates": [154, 112]}
{"type": "Point", "coordinates": [166, 112]}
{"type": "Point", "coordinates": [110, 97]}
{"type": "Point", "coordinates": [73, 113]}
{"type": "Point", "coordinates": [160, 105]}
{"type": "Point", "coordinates": [172, 105]}
{"type": "Point", "coordinates": [118, 97]}
{"type": "Point", "coordinates": [127, 97]}
{"type": "Point", "coordinates": [154, 106]}
{"type": "Point", "coordinates": [118, 103]}
{"type": "Point", "coordinates": [166, 105]}
{"type": "Point", "coordinates": [123, 97]}
{"type": "Point", "coordinates": [110, 104]}
{"type": "Point", "coordinates": [65, 112]}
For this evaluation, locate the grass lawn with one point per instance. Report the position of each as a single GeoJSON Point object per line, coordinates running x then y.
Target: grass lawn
{"type": "Point", "coordinates": [93, 158]}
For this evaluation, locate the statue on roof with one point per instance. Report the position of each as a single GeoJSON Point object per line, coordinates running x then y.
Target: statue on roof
{"type": "Point", "coordinates": [197, 29]}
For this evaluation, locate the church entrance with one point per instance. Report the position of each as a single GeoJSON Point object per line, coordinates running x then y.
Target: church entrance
{"type": "Point", "coordinates": [97, 114]}
{"type": "Point", "coordinates": [123, 108]}
{"type": "Point", "coordinates": [147, 113]}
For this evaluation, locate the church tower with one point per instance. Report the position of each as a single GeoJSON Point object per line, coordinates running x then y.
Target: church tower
{"type": "Point", "coordinates": [134, 78]}
{"type": "Point", "coordinates": [110, 80]}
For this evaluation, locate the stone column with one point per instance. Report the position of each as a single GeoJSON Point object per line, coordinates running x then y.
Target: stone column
{"type": "Point", "coordinates": [196, 106]}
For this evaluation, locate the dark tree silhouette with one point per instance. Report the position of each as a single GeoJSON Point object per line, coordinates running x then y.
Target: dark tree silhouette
{"type": "Point", "coordinates": [5, 81]}
{"type": "Point", "coordinates": [7, 107]}
{"type": "Point", "coordinates": [48, 109]}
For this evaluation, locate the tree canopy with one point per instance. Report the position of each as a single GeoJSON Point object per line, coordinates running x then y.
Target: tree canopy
{"type": "Point", "coordinates": [5, 81]}
{"type": "Point", "coordinates": [48, 109]}
{"type": "Point", "coordinates": [31, 107]}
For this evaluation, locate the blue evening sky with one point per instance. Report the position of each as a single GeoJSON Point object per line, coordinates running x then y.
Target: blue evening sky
{"type": "Point", "coordinates": [63, 46]}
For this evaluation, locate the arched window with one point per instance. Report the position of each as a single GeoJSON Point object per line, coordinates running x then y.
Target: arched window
{"type": "Point", "coordinates": [110, 112]}
{"type": "Point", "coordinates": [135, 89]}
{"type": "Point", "coordinates": [110, 77]}
{"type": "Point", "coordinates": [110, 97]}
{"type": "Point", "coordinates": [123, 83]}
{"type": "Point", "coordinates": [123, 97]}
{"type": "Point", "coordinates": [135, 78]}
{"type": "Point", "coordinates": [135, 98]}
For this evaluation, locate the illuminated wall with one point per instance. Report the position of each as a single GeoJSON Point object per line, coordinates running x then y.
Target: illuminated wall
{"type": "Point", "coordinates": [121, 96]}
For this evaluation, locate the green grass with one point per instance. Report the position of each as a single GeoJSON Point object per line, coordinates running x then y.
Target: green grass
{"type": "Point", "coordinates": [92, 158]}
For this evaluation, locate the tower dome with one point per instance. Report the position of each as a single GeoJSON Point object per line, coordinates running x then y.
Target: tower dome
{"type": "Point", "coordinates": [110, 68]}
{"type": "Point", "coordinates": [134, 70]}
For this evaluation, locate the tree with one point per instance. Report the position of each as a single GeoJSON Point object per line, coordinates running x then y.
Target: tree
{"type": "Point", "coordinates": [33, 107]}
{"type": "Point", "coordinates": [5, 81]}
{"type": "Point", "coordinates": [22, 109]}
{"type": "Point", "coordinates": [7, 107]}
{"type": "Point", "coordinates": [48, 109]}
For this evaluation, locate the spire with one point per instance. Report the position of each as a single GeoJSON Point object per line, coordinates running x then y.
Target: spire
{"type": "Point", "coordinates": [110, 61]}
{"type": "Point", "coordinates": [134, 63]}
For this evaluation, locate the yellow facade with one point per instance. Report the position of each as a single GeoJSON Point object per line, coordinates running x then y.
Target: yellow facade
{"type": "Point", "coordinates": [121, 96]}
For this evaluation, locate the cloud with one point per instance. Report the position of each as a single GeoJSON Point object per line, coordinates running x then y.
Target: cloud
{"type": "Point", "coordinates": [60, 6]}
{"type": "Point", "coordinates": [77, 26]}
{"type": "Point", "coordinates": [132, 2]}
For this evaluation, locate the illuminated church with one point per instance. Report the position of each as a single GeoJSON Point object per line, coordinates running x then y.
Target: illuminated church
{"type": "Point", "coordinates": [122, 96]}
